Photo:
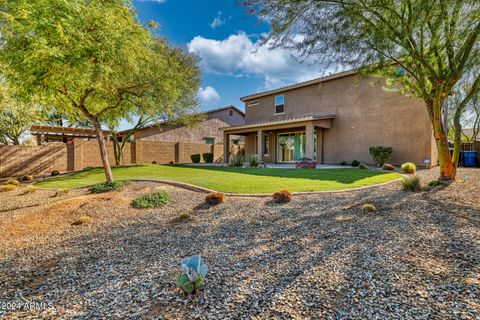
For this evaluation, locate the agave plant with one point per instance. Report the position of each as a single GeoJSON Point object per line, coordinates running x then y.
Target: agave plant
{"type": "Point", "coordinates": [193, 274]}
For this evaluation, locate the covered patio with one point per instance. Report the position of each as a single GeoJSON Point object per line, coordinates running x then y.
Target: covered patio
{"type": "Point", "coordinates": [283, 141]}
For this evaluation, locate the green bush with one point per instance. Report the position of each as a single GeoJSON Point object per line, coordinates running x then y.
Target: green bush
{"type": "Point", "coordinates": [253, 161]}
{"type": "Point", "coordinates": [343, 163]}
{"type": "Point", "coordinates": [355, 163]}
{"type": "Point", "coordinates": [411, 183]}
{"type": "Point", "coordinates": [109, 186]}
{"type": "Point", "coordinates": [55, 173]}
{"type": "Point", "coordinates": [30, 189]}
{"type": "Point", "coordinates": [389, 167]}
{"type": "Point", "coordinates": [151, 200]}
{"type": "Point", "coordinates": [380, 154]}
{"type": "Point", "coordinates": [363, 166]}
{"type": "Point", "coordinates": [368, 207]}
{"type": "Point", "coordinates": [207, 157]}
{"type": "Point", "coordinates": [237, 161]}
{"type": "Point", "coordinates": [409, 167]}
{"type": "Point", "coordinates": [13, 182]}
{"type": "Point", "coordinates": [8, 187]}
{"type": "Point", "coordinates": [436, 183]}
{"type": "Point", "coordinates": [195, 157]}
{"type": "Point", "coordinates": [185, 216]}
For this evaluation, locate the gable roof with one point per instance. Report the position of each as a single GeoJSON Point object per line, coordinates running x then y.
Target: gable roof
{"type": "Point", "coordinates": [300, 84]}
{"type": "Point", "coordinates": [308, 117]}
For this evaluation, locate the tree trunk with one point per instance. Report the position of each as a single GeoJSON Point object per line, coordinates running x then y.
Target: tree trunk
{"type": "Point", "coordinates": [116, 149]}
{"type": "Point", "coordinates": [457, 140]}
{"type": "Point", "coordinates": [447, 168]}
{"type": "Point", "coordinates": [103, 150]}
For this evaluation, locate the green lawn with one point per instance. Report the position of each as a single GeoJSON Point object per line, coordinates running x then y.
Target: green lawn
{"type": "Point", "coordinates": [236, 180]}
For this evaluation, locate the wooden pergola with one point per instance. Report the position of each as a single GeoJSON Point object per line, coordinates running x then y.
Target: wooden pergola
{"type": "Point", "coordinates": [63, 134]}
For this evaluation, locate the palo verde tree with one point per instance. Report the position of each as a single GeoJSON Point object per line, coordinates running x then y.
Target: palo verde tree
{"type": "Point", "coordinates": [435, 41]}
{"type": "Point", "coordinates": [15, 117]}
{"type": "Point", "coordinates": [89, 57]}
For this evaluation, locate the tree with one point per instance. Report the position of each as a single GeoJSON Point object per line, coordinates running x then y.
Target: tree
{"type": "Point", "coordinates": [435, 41]}
{"type": "Point", "coordinates": [89, 57]}
{"type": "Point", "coordinates": [15, 118]}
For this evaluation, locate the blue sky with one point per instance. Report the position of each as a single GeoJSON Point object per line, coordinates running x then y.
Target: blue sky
{"type": "Point", "coordinates": [226, 40]}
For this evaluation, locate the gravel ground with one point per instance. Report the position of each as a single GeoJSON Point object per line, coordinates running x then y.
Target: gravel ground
{"type": "Point", "coordinates": [320, 256]}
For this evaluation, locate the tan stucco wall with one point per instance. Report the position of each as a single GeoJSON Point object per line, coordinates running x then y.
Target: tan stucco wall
{"type": "Point", "coordinates": [194, 134]}
{"type": "Point", "coordinates": [366, 115]}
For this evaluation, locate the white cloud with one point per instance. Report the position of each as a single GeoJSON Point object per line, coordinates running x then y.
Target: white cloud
{"type": "Point", "coordinates": [208, 95]}
{"type": "Point", "coordinates": [239, 56]}
{"type": "Point", "coordinates": [217, 21]}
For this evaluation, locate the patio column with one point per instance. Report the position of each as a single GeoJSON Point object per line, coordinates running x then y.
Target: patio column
{"type": "Point", "coordinates": [226, 147]}
{"type": "Point", "coordinates": [309, 140]}
{"type": "Point", "coordinates": [260, 145]}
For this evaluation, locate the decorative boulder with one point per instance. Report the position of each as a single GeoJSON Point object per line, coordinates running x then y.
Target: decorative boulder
{"type": "Point", "coordinates": [305, 163]}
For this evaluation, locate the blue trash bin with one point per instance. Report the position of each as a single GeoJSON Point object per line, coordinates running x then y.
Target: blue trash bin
{"type": "Point", "coordinates": [470, 158]}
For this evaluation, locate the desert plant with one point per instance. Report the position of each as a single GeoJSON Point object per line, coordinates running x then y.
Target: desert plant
{"type": "Point", "coordinates": [55, 173]}
{"type": "Point", "coordinates": [185, 216]}
{"type": "Point", "coordinates": [411, 183]}
{"type": "Point", "coordinates": [215, 198]}
{"type": "Point", "coordinates": [368, 207]}
{"type": "Point", "coordinates": [253, 161]}
{"type": "Point", "coordinates": [237, 160]}
{"type": "Point", "coordinates": [436, 183]}
{"type": "Point", "coordinates": [355, 163]}
{"type": "Point", "coordinates": [207, 157]}
{"type": "Point", "coordinates": [151, 200]}
{"type": "Point", "coordinates": [82, 220]}
{"type": "Point", "coordinates": [8, 187]}
{"type": "Point", "coordinates": [193, 275]}
{"type": "Point", "coordinates": [380, 154]}
{"type": "Point", "coordinates": [388, 166]}
{"type": "Point", "coordinates": [13, 182]}
{"type": "Point", "coordinates": [109, 186]}
{"type": "Point", "coordinates": [282, 196]}
{"type": "Point", "coordinates": [363, 166]}
{"type": "Point", "coordinates": [30, 189]}
{"type": "Point", "coordinates": [195, 157]}
{"type": "Point", "coordinates": [409, 167]}
{"type": "Point", "coordinates": [27, 178]}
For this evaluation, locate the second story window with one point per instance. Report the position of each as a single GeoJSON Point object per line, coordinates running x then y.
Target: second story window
{"type": "Point", "coordinates": [279, 104]}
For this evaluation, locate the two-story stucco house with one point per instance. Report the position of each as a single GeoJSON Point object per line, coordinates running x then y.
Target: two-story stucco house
{"type": "Point", "coordinates": [332, 119]}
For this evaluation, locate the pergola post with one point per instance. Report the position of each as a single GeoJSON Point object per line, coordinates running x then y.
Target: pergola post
{"type": "Point", "coordinates": [260, 151]}
{"type": "Point", "coordinates": [226, 147]}
{"type": "Point", "coordinates": [309, 130]}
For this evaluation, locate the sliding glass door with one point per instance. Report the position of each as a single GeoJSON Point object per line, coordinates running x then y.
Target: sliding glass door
{"type": "Point", "coordinates": [290, 146]}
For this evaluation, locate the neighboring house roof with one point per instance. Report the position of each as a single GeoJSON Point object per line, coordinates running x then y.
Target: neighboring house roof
{"type": "Point", "coordinates": [38, 129]}
{"type": "Point", "coordinates": [314, 116]}
{"type": "Point", "coordinates": [203, 112]}
{"type": "Point", "coordinates": [300, 84]}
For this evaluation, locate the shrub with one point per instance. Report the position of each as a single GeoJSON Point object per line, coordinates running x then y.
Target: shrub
{"type": "Point", "coordinates": [13, 182]}
{"type": "Point", "coordinates": [409, 167]}
{"type": "Point", "coordinates": [215, 198]}
{"type": "Point", "coordinates": [30, 189]}
{"type": "Point", "coordinates": [380, 154]}
{"type": "Point", "coordinates": [436, 183]}
{"type": "Point", "coordinates": [355, 163]}
{"type": "Point", "coordinates": [368, 207]}
{"type": "Point", "coordinates": [207, 157]}
{"type": "Point", "coordinates": [27, 178]}
{"type": "Point", "coordinates": [87, 168]}
{"type": "Point", "coordinates": [154, 162]}
{"type": "Point", "coordinates": [237, 160]}
{"type": "Point", "coordinates": [282, 196]}
{"type": "Point", "coordinates": [55, 173]}
{"type": "Point", "coordinates": [305, 163]}
{"type": "Point", "coordinates": [151, 200]}
{"type": "Point", "coordinates": [185, 216]}
{"type": "Point", "coordinates": [109, 186]}
{"type": "Point", "coordinates": [82, 220]}
{"type": "Point", "coordinates": [253, 161]}
{"type": "Point", "coordinates": [388, 166]}
{"type": "Point", "coordinates": [343, 163]}
{"type": "Point", "coordinates": [363, 166]}
{"type": "Point", "coordinates": [8, 187]}
{"type": "Point", "coordinates": [195, 157]}
{"type": "Point", "coordinates": [411, 183]}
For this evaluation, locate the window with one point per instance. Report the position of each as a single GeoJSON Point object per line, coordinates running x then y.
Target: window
{"type": "Point", "coordinates": [253, 103]}
{"type": "Point", "coordinates": [230, 113]}
{"type": "Point", "coordinates": [266, 144]}
{"type": "Point", "coordinates": [279, 104]}
{"type": "Point", "coordinates": [210, 140]}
